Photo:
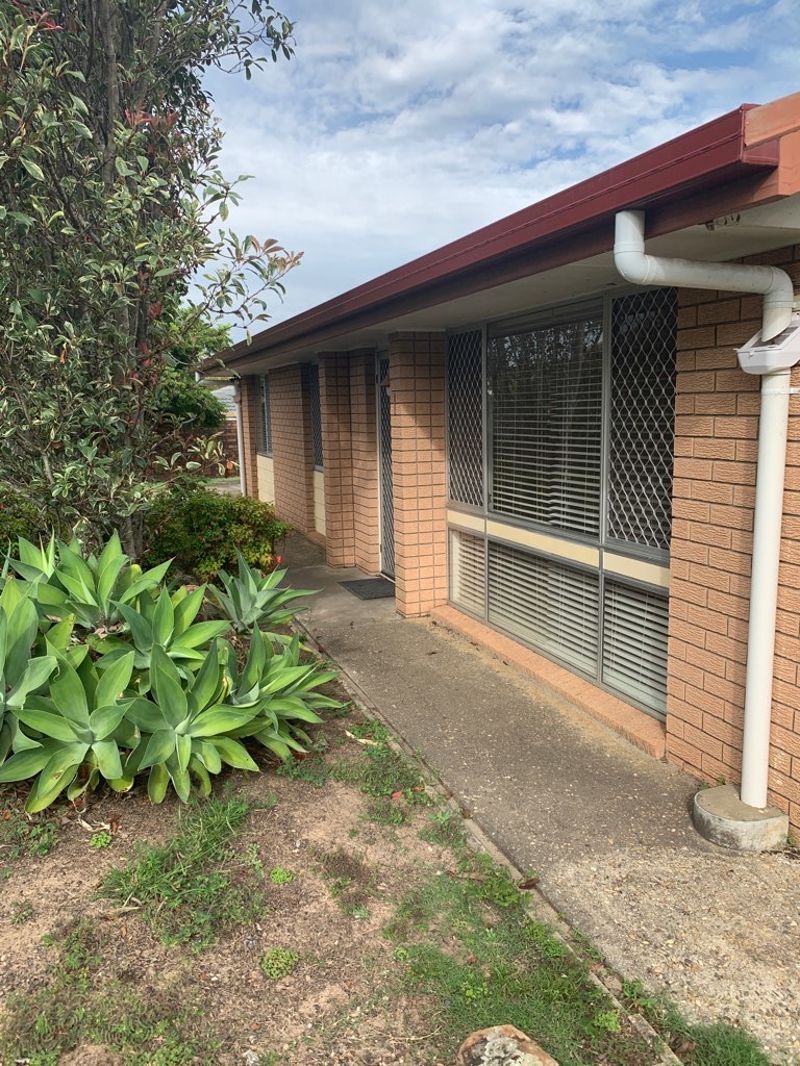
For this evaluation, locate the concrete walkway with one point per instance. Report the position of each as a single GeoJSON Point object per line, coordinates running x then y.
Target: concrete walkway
{"type": "Point", "coordinates": [605, 826]}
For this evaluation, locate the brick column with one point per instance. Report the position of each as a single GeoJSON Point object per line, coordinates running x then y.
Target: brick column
{"type": "Point", "coordinates": [417, 383]}
{"type": "Point", "coordinates": [716, 426]}
{"type": "Point", "coordinates": [337, 443]}
{"type": "Point", "coordinates": [292, 448]}
{"type": "Point", "coordinates": [250, 399]}
{"type": "Point", "coordinates": [363, 415]}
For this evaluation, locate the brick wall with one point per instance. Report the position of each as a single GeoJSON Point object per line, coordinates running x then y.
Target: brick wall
{"type": "Point", "coordinates": [417, 384]}
{"type": "Point", "coordinates": [292, 448]}
{"type": "Point", "coordinates": [716, 427]}
{"type": "Point", "coordinates": [250, 399]}
{"type": "Point", "coordinates": [334, 390]}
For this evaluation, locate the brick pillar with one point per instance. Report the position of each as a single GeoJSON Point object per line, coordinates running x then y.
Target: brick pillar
{"type": "Point", "coordinates": [250, 399]}
{"type": "Point", "coordinates": [292, 448]}
{"type": "Point", "coordinates": [337, 443]}
{"type": "Point", "coordinates": [363, 415]}
{"type": "Point", "coordinates": [716, 427]}
{"type": "Point", "coordinates": [417, 383]}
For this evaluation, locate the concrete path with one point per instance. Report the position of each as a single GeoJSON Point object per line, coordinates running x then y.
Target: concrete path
{"type": "Point", "coordinates": [605, 826]}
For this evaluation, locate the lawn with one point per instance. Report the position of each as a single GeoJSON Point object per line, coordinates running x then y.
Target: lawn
{"type": "Point", "coordinates": [328, 912]}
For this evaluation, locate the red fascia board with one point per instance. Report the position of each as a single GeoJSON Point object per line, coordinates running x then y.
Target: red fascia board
{"type": "Point", "coordinates": [710, 154]}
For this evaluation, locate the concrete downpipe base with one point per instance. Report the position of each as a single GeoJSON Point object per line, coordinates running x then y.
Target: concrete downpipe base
{"type": "Point", "coordinates": [721, 817]}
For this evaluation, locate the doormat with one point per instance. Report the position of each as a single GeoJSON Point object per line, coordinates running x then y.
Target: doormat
{"type": "Point", "coordinates": [370, 588]}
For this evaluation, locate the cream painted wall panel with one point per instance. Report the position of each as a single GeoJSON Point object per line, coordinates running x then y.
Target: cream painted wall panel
{"type": "Point", "coordinates": [266, 478]}
{"type": "Point", "coordinates": [319, 502]}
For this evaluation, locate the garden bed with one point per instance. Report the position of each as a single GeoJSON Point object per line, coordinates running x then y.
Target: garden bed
{"type": "Point", "coordinates": [328, 912]}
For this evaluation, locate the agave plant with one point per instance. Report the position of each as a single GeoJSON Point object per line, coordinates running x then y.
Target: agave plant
{"type": "Point", "coordinates": [252, 598]}
{"type": "Point", "coordinates": [71, 736]}
{"type": "Point", "coordinates": [168, 623]}
{"type": "Point", "coordinates": [20, 673]}
{"type": "Point", "coordinates": [184, 726]}
{"type": "Point", "coordinates": [90, 589]}
{"type": "Point", "coordinates": [285, 692]}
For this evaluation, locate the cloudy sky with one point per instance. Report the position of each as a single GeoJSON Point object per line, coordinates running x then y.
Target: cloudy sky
{"type": "Point", "coordinates": [400, 126]}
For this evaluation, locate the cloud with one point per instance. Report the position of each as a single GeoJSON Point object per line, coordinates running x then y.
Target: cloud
{"type": "Point", "coordinates": [399, 127]}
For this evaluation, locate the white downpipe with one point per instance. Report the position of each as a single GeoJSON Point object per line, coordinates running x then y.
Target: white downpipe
{"type": "Point", "coordinates": [237, 395]}
{"type": "Point", "coordinates": [776, 286]}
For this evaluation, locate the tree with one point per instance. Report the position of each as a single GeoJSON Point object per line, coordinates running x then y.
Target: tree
{"type": "Point", "coordinates": [111, 204]}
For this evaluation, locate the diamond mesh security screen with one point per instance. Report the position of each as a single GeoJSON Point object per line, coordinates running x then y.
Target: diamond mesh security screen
{"type": "Point", "coordinates": [642, 424]}
{"type": "Point", "coordinates": [465, 418]}
{"type": "Point", "coordinates": [266, 416]}
{"type": "Point", "coordinates": [546, 405]}
{"type": "Point", "coordinates": [385, 452]}
{"type": "Point", "coordinates": [316, 415]}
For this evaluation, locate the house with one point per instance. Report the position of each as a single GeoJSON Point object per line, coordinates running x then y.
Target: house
{"type": "Point", "coordinates": [544, 434]}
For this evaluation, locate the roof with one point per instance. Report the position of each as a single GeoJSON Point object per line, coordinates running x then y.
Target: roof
{"type": "Point", "coordinates": [719, 167]}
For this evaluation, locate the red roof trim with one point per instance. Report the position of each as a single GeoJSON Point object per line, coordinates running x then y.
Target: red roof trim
{"type": "Point", "coordinates": [705, 156]}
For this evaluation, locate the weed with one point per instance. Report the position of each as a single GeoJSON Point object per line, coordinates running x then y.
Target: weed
{"type": "Point", "coordinates": [279, 875]}
{"type": "Point", "coordinates": [608, 1020]}
{"type": "Point", "coordinates": [21, 912]}
{"type": "Point", "coordinates": [379, 770]}
{"type": "Point", "coordinates": [188, 890]}
{"type": "Point", "coordinates": [445, 829]}
{"type": "Point", "coordinates": [75, 1008]}
{"type": "Point", "coordinates": [103, 839]}
{"type": "Point", "coordinates": [312, 769]}
{"type": "Point", "coordinates": [252, 857]}
{"type": "Point", "coordinates": [278, 962]}
{"type": "Point", "coordinates": [21, 836]}
{"type": "Point", "coordinates": [385, 811]}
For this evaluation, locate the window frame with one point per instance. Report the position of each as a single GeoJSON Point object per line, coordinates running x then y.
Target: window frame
{"type": "Point", "coordinates": [265, 421]}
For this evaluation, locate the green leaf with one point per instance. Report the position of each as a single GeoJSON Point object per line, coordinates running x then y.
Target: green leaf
{"type": "Point", "coordinates": [33, 169]}
{"type": "Point", "coordinates": [219, 720]}
{"type": "Point", "coordinates": [114, 680]}
{"type": "Point", "coordinates": [27, 763]}
{"type": "Point", "coordinates": [202, 633]}
{"type": "Point", "coordinates": [233, 753]}
{"type": "Point", "coordinates": [52, 725]}
{"type": "Point", "coordinates": [158, 749]}
{"type": "Point", "coordinates": [146, 716]}
{"type": "Point", "coordinates": [69, 694]}
{"type": "Point", "coordinates": [105, 719]}
{"type": "Point", "coordinates": [158, 783]}
{"type": "Point", "coordinates": [108, 761]}
{"type": "Point", "coordinates": [167, 688]}
{"type": "Point", "coordinates": [36, 673]}
{"type": "Point", "coordinates": [55, 776]}
{"type": "Point", "coordinates": [183, 749]}
{"type": "Point", "coordinates": [163, 619]}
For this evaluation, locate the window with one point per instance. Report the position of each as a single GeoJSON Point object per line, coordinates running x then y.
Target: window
{"type": "Point", "coordinates": [465, 418]}
{"type": "Point", "coordinates": [266, 417]}
{"type": "Point", "coordinates": [545, 411]}
{"type": "Point", "coordinates": [642, 425]}
{"type": "Point", "coordinates": [312, 383]}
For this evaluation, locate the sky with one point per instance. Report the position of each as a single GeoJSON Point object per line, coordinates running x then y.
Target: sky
{"type": "Point", "coordinates": [400, 126]}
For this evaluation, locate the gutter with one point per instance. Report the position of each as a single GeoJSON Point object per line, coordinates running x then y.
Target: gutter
{"type": "Point", "coordinates": [690, 164]}
{"type": "Point", "coordinates": [773, 363]}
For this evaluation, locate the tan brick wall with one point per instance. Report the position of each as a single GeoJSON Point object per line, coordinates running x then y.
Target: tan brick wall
{"type": "Point", "coordinates": [250, 399]}
{"type": "Point", "coordinates": [417, 383]}
{"type": "Point", "coordinates": [716, 427]}
{"type": "Point", "coordinates": [292, 448]}
{"type": "Point", "coordinates": [334, 386]}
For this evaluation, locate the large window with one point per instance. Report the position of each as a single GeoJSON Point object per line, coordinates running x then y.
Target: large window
{"type": "Point", "coordinates": [266, 417]}
{"type": "Point", "coordinates": [546, 407]}
{"type": "Point", "coordinates": [569, 417]}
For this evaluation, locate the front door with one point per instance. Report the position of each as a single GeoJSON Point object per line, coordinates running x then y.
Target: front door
{"type": "Point", "coordinates": [385, 467]}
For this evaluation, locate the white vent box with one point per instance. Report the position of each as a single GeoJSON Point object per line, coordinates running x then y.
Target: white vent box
{"type": "Point", "coordinates": [780, 353]}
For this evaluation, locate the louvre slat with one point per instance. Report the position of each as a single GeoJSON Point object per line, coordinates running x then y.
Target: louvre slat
{"type": "Point", "coordinates": [468, 572]}
{"type": "Point", "coordinates": [635, 625]}
{"type": "Point", "coordinates": [546, 603]}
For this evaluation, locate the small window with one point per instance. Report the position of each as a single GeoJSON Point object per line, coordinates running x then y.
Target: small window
{"type": "Point", "coordinates": [316, 414]}
{"type": "Point", "coordinates": [266, 417]}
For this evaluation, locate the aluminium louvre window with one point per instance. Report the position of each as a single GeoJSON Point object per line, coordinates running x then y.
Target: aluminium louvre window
{"type": "Point", "coordinates": [545, 432]}
{"type": "Point", "coordinates": [468, 572]}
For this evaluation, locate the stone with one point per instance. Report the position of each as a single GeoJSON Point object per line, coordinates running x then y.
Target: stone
{"type": "Point", "coordinates": [502, 1045]}
{"type": "Point", "coordinates": [721, 817]}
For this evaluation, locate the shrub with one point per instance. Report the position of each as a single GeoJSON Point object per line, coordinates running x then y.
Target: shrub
{"type": "Point", "coordinates": [202, 530]}
{"type": "Point", "coordinates": [255, 599]}
{"type": "Point", "coordinates": [138, 685]}
{"type": "Point", "coordinates": [19, 518]}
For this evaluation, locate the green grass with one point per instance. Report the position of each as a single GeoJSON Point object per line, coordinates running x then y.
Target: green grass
{"type": "Point", "coordinates": [22, 837]}
{"type": "Point", "coordinates": [75, 1007]}
{"type": "Point", "coordinates": [378, 770]}
{"type": "Point", "coordinates": [465, 942]}
{"type": "Point", "coordinates": [193, 888]}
